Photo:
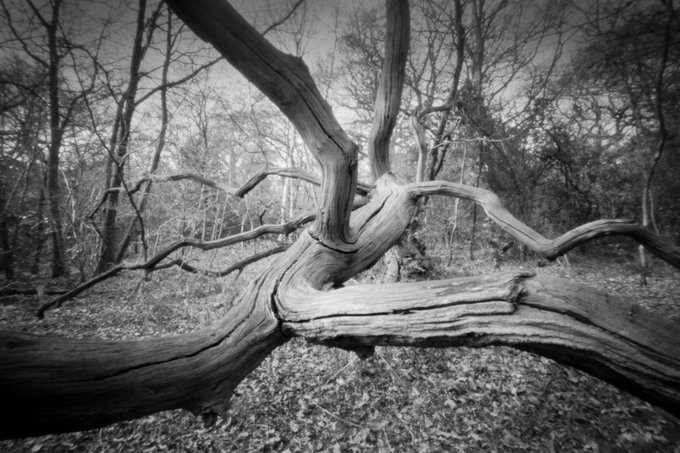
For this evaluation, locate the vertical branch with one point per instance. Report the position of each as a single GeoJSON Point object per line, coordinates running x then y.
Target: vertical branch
{"type": "Point", "coordinates": [436, 164]}
{"type": "Point", "coordinates": [421, 143]}
{"type": "Point", "coordinates": [647, 211]}
{"type": "Point", "coordinates": [663, 132]}
{"type": "Point", "coordinates": [159, 149]}
{"type": "Point", "coordinates": [388, 98]}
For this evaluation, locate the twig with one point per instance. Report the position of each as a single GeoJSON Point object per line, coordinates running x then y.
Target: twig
{"type": "Point", "coordinates": [356, 425]}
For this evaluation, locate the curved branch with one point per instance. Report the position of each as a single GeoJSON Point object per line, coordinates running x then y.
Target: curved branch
{"type": "Point", "coordinates": [290, 172]}
{"type": "Point", "coordinates": [282, 228]}
{"type": "Point", "coordinates": [160, 178]}
{"type": "Point", "coordinates": [284, 18]}
{"type": "Point", "coordinates": [388, 97]}
{"type": "Point", "coordinates": [237, 266]}
{"type": "Point", "coordinates": [550, 248]}
{"type": "Point", "coordinates": [153, 262]}
{"type": "Point", "coordinates": [287, 82]}
{"type": "Point", "coordinates": [287, 172]}
{"type": "Point", "coordinates": [609, 338]}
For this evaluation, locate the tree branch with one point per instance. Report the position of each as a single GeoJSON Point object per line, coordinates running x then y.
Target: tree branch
{"type": "Point", "coordinates": [284, 18]}
{"type": "Point", "coordinates": [362, 189]}
{"type": "Point", "coordinates": [174, 83]}
{"type": "Point", "coordinates": [550, 248]}
{"type": "Point", "coordinates": [237, 266]}
{"type": "Point", "coordinates": [287, 82]}
{"type": "Point", "coordinates": [614, 340]}
{"type": "Point", "coordinates": [290, 172]}
{"type": "Point", "coordinates": [53, 384]}
{"type": "Point", "coordinates": [388, 97]}
{"type": "Point", "coordinates": [153, 262]}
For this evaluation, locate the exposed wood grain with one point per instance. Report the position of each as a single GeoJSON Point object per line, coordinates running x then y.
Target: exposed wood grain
{"type": "Point", "coordinates": [571, 323]}
{"type": "Point", "coordinates": [51, 384]}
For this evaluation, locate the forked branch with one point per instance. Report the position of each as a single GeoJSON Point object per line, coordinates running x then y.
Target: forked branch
{"type": "Point", "coordinates": [550, 248]}
{"type": "Point", "coordinates": [237, 266]}
{"type": "Point", "coordinates": [287, 82]}
{"type": "Point", "coordinates": [155, 261]}
{"type": "Point", "coordinates": [242, 191]}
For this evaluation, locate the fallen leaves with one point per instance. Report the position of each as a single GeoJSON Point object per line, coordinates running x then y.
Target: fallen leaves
{"type": "Point", "coordinates": [311, 398]}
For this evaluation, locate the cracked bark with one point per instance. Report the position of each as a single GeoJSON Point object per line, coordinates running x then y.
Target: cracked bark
{"type": "Point", "coordinates": [53, 384]}
{"type": "Point", "coordinates": [609, 338]}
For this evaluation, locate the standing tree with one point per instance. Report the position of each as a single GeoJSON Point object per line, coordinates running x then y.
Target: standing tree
{"type": "Point", "coordinates": [52, 52]}
{"type": "Point", "coordinates": [114, 244]}
{"type": "Point", "coordinates": [55, 384]}
{"type": "Point", "coordinates": [122, 131]}
{"type": "Point", "coordinates": [629, 67]}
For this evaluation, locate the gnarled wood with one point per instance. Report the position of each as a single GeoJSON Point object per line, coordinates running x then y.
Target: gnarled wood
{"type": "Point", "coordinates": [50, 385]}
{"type": "Point", "coordinates": [557, 247]}
{"type": "Point", "coordinates": [571, 323]}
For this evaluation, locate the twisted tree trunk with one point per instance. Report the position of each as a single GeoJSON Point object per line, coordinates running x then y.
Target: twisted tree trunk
{"type": "Point", "coordinates": [54, 384]}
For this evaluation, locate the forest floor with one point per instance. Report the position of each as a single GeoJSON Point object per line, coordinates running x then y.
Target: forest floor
{"type": "Point", "coordinates": [312, 398]}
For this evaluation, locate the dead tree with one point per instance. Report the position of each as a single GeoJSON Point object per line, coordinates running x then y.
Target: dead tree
{"type": "Point", "coordinates": [50, 384]}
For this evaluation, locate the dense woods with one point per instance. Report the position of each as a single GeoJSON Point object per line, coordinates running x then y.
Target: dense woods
{"type": "Point", "coordinates": [328, 139]}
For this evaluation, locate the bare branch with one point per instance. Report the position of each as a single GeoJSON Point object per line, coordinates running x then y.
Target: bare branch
{"type": "Point", "coordinates": [284, 18]}
{"type": "Point", "coordinates": [237, 266]}
{"type": "Point", "coordinates": [174, 83]}
{"type": "Point", "coordinates": [287, 82]}
{"type": "Point", "coordinates": [362, 189]}
{"type": "Point", "coordinates": [388, 97]}
{"type": "Point", "coordinates": [284, 228]}
{"type": "Point", "coordinates": [290, 172]}
{"type": "Point", "coordinates": [155, 261]}
{"type": "Point", "coordinates": [554, 248]}
{"type": "Point", "coordinates": [279, 171]}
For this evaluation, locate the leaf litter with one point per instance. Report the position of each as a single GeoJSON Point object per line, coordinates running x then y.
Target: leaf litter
{"type": "Point", "coordinates": [310, 398]}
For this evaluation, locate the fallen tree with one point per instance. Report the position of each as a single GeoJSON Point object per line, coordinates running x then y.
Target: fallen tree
{"type": "Point", "coordinates": [50, 385]}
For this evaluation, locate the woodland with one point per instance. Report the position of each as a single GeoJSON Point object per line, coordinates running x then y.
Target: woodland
{"type": "Point", "coordinates": [435, 225]}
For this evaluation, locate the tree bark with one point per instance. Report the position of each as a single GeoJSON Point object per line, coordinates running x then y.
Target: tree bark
{"type": "Point", "coordinates": [286, 81]}
{"type": "Point", "coordinates": [130, 230]}
{"type": "Point", "coordinates": [53, 384]}
{"type": "Point", "coordinates": [120, 140]}
{"type": "Point", "coordinates": [39, 235]}
{"type": "Point", "coordinates": [388, 97]}
{"type": "Point", "coordinates": [616, 341]}
{"type": "Point", "coordinates": [56, 136]}
{"type": "Point", "coordinates": [56, 384]}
